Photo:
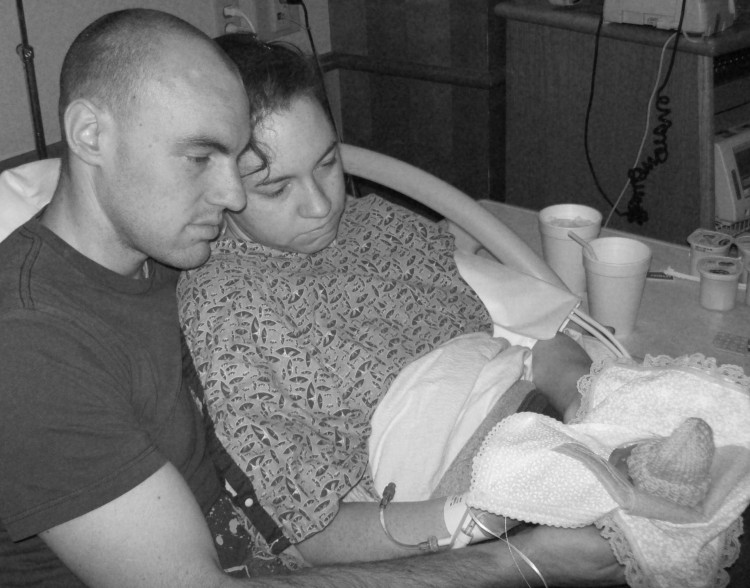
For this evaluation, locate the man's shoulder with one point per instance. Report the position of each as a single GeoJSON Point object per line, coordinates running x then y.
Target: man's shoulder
{"type": "Point", "coordinates": [21, 236]}
{"type": "Point", "coordinates": [16, 253]}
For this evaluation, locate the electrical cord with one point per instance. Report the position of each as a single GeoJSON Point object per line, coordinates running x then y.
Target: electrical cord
{"type": "Point", "coordinates": [646, 128]}
{"type": "Point", "coordinates": [352, 187]}
{"type": "Point", "coordinates": [638, 174]}
{"type": "Point", "coordinates": [314, 50]}
{"type": "Point", "coordinates": [304, 10]}
{"type": "Point", "coordinates": [592, 87]}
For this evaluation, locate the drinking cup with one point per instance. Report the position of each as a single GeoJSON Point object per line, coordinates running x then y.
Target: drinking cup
{"type": "Point", "coordinates": [615, 281]}
{"type": "Point", "coordinates": [561, 252]}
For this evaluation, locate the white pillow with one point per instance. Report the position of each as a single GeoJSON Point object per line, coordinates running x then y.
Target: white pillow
{"type": "Point", "coordinates": [24, 190]}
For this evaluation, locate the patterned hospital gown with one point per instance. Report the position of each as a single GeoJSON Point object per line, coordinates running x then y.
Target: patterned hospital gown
{"type": "Point", "coordinates": [295, 351]}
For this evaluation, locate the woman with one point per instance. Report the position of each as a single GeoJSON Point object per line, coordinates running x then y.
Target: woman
{"type": "Point", "coordinates": [310, 306]}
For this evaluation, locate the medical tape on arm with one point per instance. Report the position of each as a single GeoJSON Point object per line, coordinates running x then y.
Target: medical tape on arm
{"type": "Point", "coordinates": [461, 523]}
{"type": "Point", "coordinates": [464, 527]}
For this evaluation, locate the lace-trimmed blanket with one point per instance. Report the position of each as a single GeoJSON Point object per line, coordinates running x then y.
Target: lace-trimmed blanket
{"type": "Point", "coordinates": [539, 470]}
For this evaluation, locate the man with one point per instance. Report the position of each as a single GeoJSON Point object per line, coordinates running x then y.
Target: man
{"type": "Point", "coordinates": [105, 476]}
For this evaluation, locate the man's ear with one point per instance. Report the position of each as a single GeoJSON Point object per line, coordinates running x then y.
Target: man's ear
{"type": "Point", "coordinates": [85, 125]}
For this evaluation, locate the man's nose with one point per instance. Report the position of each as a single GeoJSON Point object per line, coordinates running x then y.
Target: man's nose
{"type": "Point", "coordinates": [228, 192]}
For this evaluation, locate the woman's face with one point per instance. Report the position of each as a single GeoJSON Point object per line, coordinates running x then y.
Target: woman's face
{"type": "Point", "coordinates": [296, 203]}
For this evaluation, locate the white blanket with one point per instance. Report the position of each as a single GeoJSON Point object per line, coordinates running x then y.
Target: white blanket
{"type": "Point", "coordinates": [437, 402]}
{"type": "Point", "coordinates": [434, 406]}
{"type": "Point", "coordinates": [541, 471]}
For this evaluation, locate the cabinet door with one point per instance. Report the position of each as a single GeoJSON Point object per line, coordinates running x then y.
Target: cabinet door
{"type": "Point", "coordinates": [548, 79]}
{"type": "Point", "coordinates": [422, 81]}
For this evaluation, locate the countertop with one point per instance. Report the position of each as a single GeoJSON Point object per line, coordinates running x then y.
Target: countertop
{"type": "Point", "coordinates": [584, 17]}
{"type": "Point", "coordinates": [670, 318]}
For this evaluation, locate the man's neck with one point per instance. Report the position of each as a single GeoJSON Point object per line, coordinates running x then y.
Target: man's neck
{"type": "Point", "coordinates": [75, 216]}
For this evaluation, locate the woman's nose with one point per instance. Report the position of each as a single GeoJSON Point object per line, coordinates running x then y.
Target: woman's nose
{"type": "Point", "coordinates": [316, 202]}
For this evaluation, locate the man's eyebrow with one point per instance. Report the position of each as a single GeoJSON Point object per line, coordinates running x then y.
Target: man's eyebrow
{"type": "Point", "coordinates": [269, 180]}
{"type": "Point", "coordinates": [205, 143]}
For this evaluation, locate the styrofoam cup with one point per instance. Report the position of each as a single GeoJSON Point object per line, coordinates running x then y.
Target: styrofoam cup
{"type": "Point", "coordinates": [560, 252]}
{"type": "Point", "coordinates": [615, 281]}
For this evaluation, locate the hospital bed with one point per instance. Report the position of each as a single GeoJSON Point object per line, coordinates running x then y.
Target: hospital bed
{"type": "Point", "coordinates": [476, 231]}
{"type": "Point", "coordinates": [26, 189]}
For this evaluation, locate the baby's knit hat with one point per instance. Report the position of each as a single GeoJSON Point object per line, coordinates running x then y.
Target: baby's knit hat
{"type": "Point", "coordinates": [675, 467]}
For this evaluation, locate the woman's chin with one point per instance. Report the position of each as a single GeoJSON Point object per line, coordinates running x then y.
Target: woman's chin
{"type": "Point", "coordinates": [318, 244]}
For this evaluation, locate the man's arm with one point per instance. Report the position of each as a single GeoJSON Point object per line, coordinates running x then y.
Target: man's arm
{"type": "Point", "coordinates": [155, 536]}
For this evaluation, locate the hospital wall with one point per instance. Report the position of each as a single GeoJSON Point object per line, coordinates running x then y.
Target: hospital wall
{"type": "Point", "coordinates": [52, 26]}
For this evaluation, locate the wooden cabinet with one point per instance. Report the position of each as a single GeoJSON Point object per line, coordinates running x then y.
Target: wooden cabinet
{"type": "Point", "coordinates": [423, 82]}
{"type": "Point", "coordinates": [550, 54]}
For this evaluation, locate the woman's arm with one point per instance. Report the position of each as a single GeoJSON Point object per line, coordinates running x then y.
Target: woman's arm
{"type": "Point", "coordinates": [558, 363]}
{"type": "Point", "coordinates": [355, 534]}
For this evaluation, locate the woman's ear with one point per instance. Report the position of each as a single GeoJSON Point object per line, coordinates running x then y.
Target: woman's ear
{"type": "Point", "coordinates": [84, 124]}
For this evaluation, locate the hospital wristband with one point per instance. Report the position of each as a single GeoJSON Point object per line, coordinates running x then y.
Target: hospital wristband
{"type": "Point", "coordinates": [461, 523]}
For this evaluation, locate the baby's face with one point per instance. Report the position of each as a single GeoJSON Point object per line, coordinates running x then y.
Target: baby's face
{"type": "Point", "coordinates": [619, 459]}
{"type": "Point", "coordinates": [296, 203]}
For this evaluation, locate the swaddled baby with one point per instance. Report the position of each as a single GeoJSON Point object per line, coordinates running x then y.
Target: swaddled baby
{"type": "Point", "coordinates": [676, 467]}
{"type": "Point", "coordinates": [658, 458]}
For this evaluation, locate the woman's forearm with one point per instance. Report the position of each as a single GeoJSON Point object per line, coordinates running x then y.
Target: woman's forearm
{"type": "Point", "coordinates": [355, 534]}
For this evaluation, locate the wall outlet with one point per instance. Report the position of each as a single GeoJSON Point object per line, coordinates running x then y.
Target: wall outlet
{"type": "Point", "coordinates": [221, 21]}
{"type": "Point", "coordinates": [272, 18]}
{"type": "Point", "coordinates": [289, 17]}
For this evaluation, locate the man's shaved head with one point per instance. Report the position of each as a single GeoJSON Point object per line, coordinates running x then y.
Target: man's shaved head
{"type": "Point", "coordinates": [111, 59]}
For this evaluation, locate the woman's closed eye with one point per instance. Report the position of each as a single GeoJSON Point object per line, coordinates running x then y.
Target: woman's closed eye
{"type": "Point", "coordinates": [198, 159]}
{"type": "Point", "coordinates": [269, 190]}
{"type": "Point", "coordinates": [330, 162]}
{"type": "Point", "coordinates": [278, 192]}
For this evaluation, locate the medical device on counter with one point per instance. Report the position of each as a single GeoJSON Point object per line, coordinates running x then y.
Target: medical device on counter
{"type": "Point", "coordinates": [732, 179]}
{"type": "Point", "coordinates": [702, 17]}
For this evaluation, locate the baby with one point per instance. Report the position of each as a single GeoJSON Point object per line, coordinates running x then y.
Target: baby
{"type": "Point", "coordinates": [658, 459]}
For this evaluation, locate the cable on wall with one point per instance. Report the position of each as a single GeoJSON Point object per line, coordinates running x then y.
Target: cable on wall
{"type": "Point", "coordinates": [647, 126]}
{"type": "Point", "coordinates": [26, 53]}
{"type": "Point", "coordinates": [350, 180]}
{"type": "Point", "coordinates": [306, 27]}
{"type": "Point", "coordinates": [640, 171]}
{"type": "Point", "coordinates": [638, 174]}
{"type": "Point", "coordinates": [592, 87]}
